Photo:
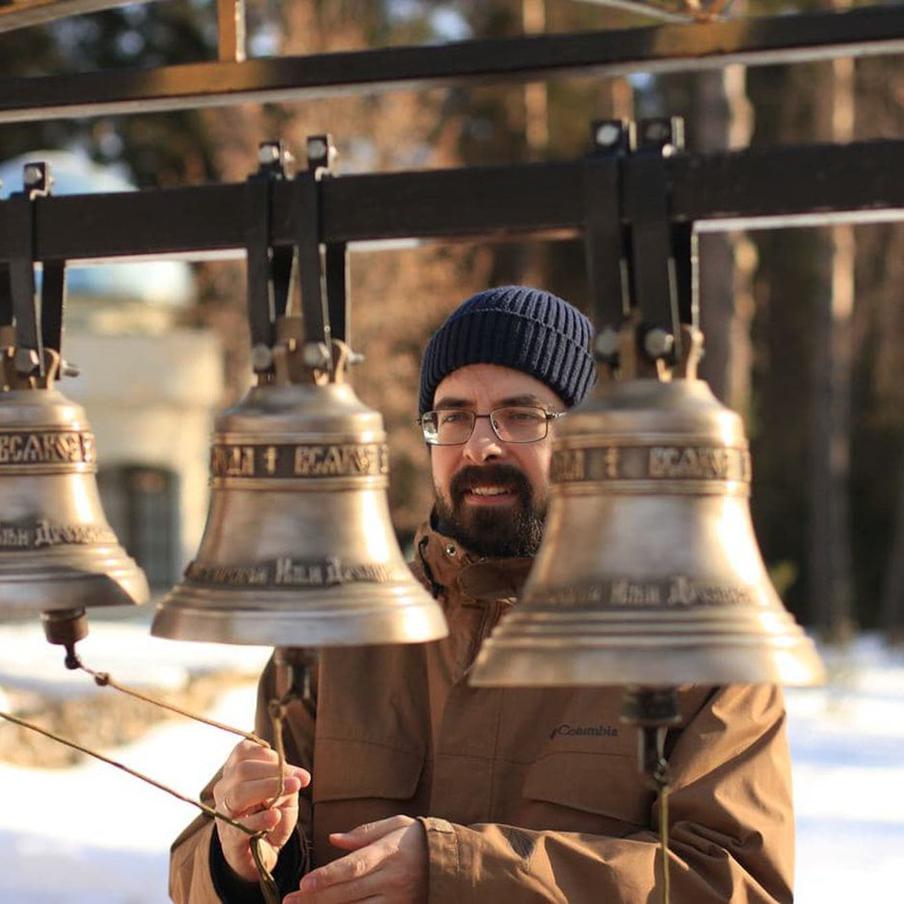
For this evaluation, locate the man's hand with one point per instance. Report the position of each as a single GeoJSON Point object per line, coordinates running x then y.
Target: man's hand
{"type": "Point", "coordinates": [249, 782]}
{"type": "Point", "coordinates": [388, 863]}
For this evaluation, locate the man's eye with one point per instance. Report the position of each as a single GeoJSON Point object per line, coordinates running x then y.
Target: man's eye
{"type": "Point", "coordinates": [453, 417]}
{"type": "Point", "coordinates": [524, 416]}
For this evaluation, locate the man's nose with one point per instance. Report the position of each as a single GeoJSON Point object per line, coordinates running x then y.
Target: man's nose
{"type": "Point", "coordinates": [483, 444]}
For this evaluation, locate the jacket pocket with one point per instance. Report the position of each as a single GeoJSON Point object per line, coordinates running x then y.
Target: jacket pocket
{"type": "Point", "coordinates": [587, 792]}
{"type": "Point", "coordinates": [355, 782]}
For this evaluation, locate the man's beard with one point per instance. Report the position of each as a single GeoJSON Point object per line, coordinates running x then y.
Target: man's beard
{"type": "Point", "coordinates": [496, 531]}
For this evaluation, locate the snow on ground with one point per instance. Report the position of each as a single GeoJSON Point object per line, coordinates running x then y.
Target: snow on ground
{"type": "Point", "coordinates": [92, 835]}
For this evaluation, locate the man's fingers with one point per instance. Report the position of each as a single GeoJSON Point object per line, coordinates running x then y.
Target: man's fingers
{"type": "Point", "coordinates": [368, 833]}
{"type": "Point", "coordinates": [367, 889]}
{"type": "Point", "coordinates": [303, 897]}
{"type": "Point", "coordinates": [245, 796]}
{"type": "Point", "coordinates": [346, 869]}
{"type": "Point", "coordinates": [248, 750]}
{"type": "Point", "coordinates": [248, 770]}
{"type": "Point", "coordinates": [264, 821]}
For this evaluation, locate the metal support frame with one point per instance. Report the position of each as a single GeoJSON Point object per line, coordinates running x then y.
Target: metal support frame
{"type": "Point", "coordinates": [783, 186]}
{"type": "Point", "coordinates": [665, 48]}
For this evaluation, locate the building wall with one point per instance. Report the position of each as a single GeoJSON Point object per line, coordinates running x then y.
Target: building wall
{"type": "Point", "coordinates": [151, 402]}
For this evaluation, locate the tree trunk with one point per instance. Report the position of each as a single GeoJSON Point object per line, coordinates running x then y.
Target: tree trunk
{"type": "Point", "coordinates": [831, 579]}
{"type": "Point", "coordinates": [536, 96]}
{"type": "Point", "coordinates": [724, 119]}
{"type": "Point", "coordinates": [892, 606]}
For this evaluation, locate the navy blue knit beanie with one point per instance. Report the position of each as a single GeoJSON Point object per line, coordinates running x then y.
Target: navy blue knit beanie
{"type": "Point", "coordinates": [519, 327]}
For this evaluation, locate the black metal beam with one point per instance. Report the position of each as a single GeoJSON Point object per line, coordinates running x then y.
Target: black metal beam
{"type": "Point", "coordinates": [821, 182]}
{"type": "Point", "coordinates": [867, 31]}
{"type": "Point", "coordinates": [23, 13]}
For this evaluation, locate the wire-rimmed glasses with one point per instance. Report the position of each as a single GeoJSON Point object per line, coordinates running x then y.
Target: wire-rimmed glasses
{"type": "Point", "coordinates": [511, 423]}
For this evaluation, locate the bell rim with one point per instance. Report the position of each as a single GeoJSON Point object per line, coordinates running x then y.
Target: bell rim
{"type": "Point", "coordinates": [729, 661]}
{"type": "Point", "coordinates": [85, 590]}
{"type": "Point", "coordinates": [182, 615]}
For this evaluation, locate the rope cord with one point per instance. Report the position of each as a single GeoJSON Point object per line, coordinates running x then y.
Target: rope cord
{"type": "Point", "coordinates": [104, 679]}
{"type": "Point", "coordinates": [662, 778]}
{"type": "Point", "coordinates": [268, 886]}
{"type": "Point", "coordinates": [210, 811]}
{"type": "Point", "coordinates": [277, 710]}
{"type": "Point", "coordinates": [664, 840]}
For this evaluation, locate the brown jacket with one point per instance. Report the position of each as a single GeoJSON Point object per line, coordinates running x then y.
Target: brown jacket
{"type": "Point", "coordinates": [528, 795]}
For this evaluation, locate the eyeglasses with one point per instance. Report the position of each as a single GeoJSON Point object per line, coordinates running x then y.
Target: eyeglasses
{"type": "Point", "coordinates": [512, 424]}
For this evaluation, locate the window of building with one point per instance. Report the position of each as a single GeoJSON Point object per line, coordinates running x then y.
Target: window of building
{"type": "Point", "coordinates": [142, 505]}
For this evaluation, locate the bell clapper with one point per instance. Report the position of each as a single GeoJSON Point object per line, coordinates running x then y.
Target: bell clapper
{"type": "Point", "coordinates": [653, 710]}
{"type": "Point", "coordinates": [66, 627]}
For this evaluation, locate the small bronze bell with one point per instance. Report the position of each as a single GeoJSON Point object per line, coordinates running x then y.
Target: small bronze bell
{"type": "Point", "coordinates": [649, 571]}
{"type": "Point", "coordinates": [299, 550]}
{"type": "Point", "coordinates": [57, 552]}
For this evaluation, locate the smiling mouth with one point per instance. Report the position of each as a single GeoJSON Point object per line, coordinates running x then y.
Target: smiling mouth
{"type": "Point", "coordinates": [489, 492]}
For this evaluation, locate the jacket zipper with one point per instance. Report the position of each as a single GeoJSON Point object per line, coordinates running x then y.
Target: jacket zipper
{"type": "Point", "coordinates": [489, 618]}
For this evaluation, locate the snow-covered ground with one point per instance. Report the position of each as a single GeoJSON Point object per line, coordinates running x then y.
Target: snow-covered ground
{"type": "Point", "coordinates": [92, 835]}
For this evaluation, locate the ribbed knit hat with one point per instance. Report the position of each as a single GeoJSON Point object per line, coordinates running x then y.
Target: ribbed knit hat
{"type": "Point", "coordinates": [519, 327]}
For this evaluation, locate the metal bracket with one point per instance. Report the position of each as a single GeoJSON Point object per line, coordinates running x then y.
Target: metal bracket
{"type": "Point", "coordinates": [606, 241]}
{"type": "Point", "coordinates": [642, 266]}
{"type": "Point", "coordinates": [269, 268]}
{"type": "Point", "coordinates": [654, 242]}
{"type": "Point", "coordinates": [314, 309]}
{"type": "Point", "coordinates": [29, 355]}
{"type": "Point", "coordinates": [53, 303]}
{"type": "Point", "coordinates": [338, 300]}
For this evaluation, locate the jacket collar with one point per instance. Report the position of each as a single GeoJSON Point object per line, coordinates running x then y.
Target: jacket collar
{"type": "Point", "coordinates": [455, 569]}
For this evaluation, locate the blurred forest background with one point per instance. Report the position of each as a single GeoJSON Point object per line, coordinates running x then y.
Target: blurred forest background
{"type": "Point", "coordinates": [803, 326]}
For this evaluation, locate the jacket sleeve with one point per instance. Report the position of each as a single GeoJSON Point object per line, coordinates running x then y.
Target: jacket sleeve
{"type": "Point", "coordinates": [730, 816]}
{"type": "Point", "coordinates": [196, 865]}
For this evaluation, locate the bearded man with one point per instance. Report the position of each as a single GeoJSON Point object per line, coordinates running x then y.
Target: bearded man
{"type": "Point", "coordinates": [410, 786]}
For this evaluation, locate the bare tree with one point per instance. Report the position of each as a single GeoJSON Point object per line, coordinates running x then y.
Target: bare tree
{"type": "Point", "coordinates": [724, 117]}
{"type": "Point", "coordinates": [831, 568]}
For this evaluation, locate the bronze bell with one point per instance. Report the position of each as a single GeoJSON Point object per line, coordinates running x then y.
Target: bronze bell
{"type": "Point", "coordinates": [649, 572]}
{"type": "Point", "coordinates": [58, 554]}
{"type": "Point", "coordinates": [299, 550]}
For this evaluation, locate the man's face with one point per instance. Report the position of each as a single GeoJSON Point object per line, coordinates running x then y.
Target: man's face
{"type": "Point", "coordinates": [491, 494]}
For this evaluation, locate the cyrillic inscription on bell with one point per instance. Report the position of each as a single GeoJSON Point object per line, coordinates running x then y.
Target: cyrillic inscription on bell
{"type": "Point", "coordinates": [299, 550]}
{"type": "Point", "coordinates": [649, 571]}
{"type": "Point", "coordinates": [57, 551]}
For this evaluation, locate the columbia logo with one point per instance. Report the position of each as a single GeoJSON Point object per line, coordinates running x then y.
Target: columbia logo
{"type": "Point", "coordinates": [592, 731]}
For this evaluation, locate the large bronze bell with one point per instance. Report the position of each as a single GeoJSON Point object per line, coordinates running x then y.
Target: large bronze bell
{"type": "Point", "coordinates": [57, 552]}
{"type": "Point", "coordinates": [649, 572]}
{"type": "Point", "coordinates": [299, 550]}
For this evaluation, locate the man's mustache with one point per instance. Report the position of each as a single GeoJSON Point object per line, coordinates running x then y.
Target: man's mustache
{"type": "Point", "coordinates": [493, 475]}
